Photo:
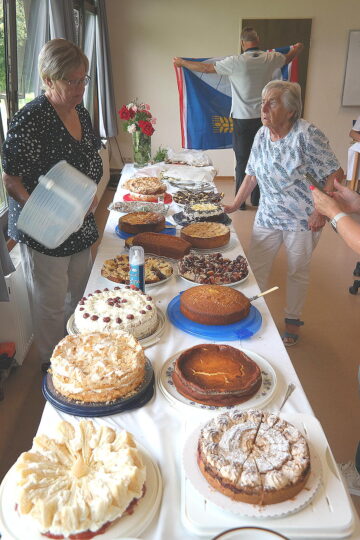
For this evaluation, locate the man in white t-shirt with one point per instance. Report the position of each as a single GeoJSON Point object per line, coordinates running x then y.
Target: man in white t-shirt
{"type": "Point", "coordinates": [248, 73]}
{"type": "Point", "coordinates": [355, 135]}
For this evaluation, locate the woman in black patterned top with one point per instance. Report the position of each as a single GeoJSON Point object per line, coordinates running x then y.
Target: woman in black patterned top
{"type": "Point", "coordinates": [54, 126]}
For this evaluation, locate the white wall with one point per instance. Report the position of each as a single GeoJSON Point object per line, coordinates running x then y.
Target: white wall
{"type": "Point", "coordinates": [146, 34]}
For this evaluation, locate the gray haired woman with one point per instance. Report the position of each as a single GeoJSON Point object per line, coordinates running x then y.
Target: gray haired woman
{"type": "Point", "coordinates": [53, 127]}
{"type": "Point", "coordinates": [284, 150]}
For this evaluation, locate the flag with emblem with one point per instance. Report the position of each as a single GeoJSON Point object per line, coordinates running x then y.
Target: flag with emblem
{"type": "Point", "coordinates": [205, 104]}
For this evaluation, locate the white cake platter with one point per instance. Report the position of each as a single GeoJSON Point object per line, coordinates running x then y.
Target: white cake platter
{"type": "Point", "coordinates": [16, 527]}
{"type": "Point", "coordinates": [279, 510]}
{"type": "Point", "coordinates": [262, 397]}
{"type": "Point", "coordinates": [145, 342]}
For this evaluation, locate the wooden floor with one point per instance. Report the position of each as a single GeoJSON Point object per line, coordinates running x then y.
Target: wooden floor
{"type": "Point", "coordinates": [326, 358]}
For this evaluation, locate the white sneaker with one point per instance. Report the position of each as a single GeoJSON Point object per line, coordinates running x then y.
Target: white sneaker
{"type": "Point", "coordinates": [351, 477]}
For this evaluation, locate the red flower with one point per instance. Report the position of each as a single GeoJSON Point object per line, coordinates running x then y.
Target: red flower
{"type": "Point", "coordinates": [125, 113]}
{"type": "Point", "coordinates": [146, 127]}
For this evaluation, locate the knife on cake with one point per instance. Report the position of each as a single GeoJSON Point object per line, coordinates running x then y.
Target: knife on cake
{"type": "Point", "coordinates": [263, 294]}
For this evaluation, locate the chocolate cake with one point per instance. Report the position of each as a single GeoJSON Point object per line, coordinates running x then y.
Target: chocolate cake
{"type": "Point", "coordinates": [214, 305]}
{"type": "Point", "coordinates": [218, 375]}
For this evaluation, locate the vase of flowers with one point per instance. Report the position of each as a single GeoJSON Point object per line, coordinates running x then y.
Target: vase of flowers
{"type": "Point", "coordinates": [139, 121]}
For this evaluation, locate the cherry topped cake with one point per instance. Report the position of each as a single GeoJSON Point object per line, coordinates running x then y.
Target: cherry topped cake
{"type": "Point", "coordinates": [120, 309]}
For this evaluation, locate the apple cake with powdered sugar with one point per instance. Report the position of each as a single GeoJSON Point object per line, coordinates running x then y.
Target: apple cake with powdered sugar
{"type": "Point", "coordinates": [254, 456]}
{"type": "Point", "coordinates": [120, 309]}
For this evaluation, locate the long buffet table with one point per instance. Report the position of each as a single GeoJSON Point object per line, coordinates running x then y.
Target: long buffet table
{"type": "Point", "coordinates": [161, 427]}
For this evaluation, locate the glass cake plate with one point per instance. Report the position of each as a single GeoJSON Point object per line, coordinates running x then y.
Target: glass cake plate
{"type": "Point", "coordinates": [142, 395]}
{"type": "Point", "coordinates": [243, 329]}
{"type": "Point", "coordinates": [145, 342]}
{"type": "Point", "coordinates": [262, 397]}
{"type": "Point", "coordinates": [232, 284]}
{"type": "Point", "coordinates": [15, 527]}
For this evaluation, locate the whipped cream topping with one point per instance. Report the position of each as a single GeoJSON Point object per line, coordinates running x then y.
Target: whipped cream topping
{"type": "Point", "coordinates": [120, 309]}
{"type": "Point", "coordinates": [84, 478]}
{"type": "Point", "coordinates": [97, 363]}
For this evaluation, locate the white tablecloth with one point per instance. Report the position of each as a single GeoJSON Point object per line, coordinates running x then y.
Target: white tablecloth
{"type": "Point", "coordinates": [158, 426]}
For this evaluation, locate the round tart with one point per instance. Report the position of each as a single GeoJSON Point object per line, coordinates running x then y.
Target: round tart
{"type": "Point", "coordinates": [147, 185]}
{"type": "Point", "coordinates": [97, 367]}
{"type": "Point", "coordinates": [206, 234]}
{"type": "Point", "coordinates": [79, 482]}
{"type": "Point", "coordinates": [117, 269]}
{"type": "Point", "coordinates": [218, 375]}
{"type": "Point", "coordinates": [214, 304]}
{"type": "Point", "coordinates": [254, 457]}
{"type": "Point", "coordinates": [213, 268]}
{"type": "Point", "coordinates": [137, 222]}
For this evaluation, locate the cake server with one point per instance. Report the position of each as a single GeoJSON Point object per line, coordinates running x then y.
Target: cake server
{"type": "Point", "coordinates": [262, 294]}
{"type": "Point", "coordinates": [291, 387]}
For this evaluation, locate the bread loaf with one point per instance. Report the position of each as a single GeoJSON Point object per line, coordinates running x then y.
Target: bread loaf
{"type": "Point", "coordinates": [162, 244]}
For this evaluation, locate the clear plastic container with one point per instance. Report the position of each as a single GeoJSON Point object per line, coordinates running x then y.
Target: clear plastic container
{"type": "Point", "coordinates": [57, 206]}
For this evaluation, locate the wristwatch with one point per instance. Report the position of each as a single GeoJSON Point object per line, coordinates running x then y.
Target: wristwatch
{"type": "Point", "coordinates": [336, 218]}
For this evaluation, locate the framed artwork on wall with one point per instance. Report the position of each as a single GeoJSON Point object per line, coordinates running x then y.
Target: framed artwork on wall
{"type": "Point", "coordinates": [351, 87]}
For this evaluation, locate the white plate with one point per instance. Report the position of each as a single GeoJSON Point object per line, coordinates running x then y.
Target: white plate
{"type": "Point", "coordinates": [249, 533]}
{"type": "Point", "coordinates": [14, 527]}
{"type": "Point", "coordinates": [262, 397]}
{"type": "Point", "coordinates": [279, 510]}
{"type": "Point", "coordinates": [233, 284]}
{"type": "Point", "coordinates": [145, 342]}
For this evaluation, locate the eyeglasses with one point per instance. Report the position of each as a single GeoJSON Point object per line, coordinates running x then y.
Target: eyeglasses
{"type": "Point", "coordinates": [77, 82]}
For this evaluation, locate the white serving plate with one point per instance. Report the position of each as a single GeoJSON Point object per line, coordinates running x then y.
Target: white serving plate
{"type": "Point", "coordinates": [328, 515]}
{"type": "Point", "coordinates": [233, 284]}
{"type": "Point", "coordinates": [145, 342]}
{"type": "Point", "coordinates": [14, 527]}
{"type": "Point", "coordinates": [260, 399]}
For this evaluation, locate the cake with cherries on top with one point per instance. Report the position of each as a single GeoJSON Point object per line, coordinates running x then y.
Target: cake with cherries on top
{"type": "Point", "coordinates": [218, 375]}
{"type": "Point", "coordinates": [214, 305]}
{"type": "Point", "coordinates": [120, 309]}
{"type": "Point", "coordinates": [254, 456]}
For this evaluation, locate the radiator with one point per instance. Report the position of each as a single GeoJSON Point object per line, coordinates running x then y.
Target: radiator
{"type": "Point", "coordinates": [15, 315]}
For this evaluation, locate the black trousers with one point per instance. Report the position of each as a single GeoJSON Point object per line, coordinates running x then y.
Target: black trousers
{"type": "Point", "coordinates": [243, 138]}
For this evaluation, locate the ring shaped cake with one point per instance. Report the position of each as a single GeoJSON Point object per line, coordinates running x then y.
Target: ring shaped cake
{"type": "Point", "coordinates": [217, 375]}
{"type": "Point", "coordinates": [81, 481]}
{"type": "Point", "coordinates": [254, 456]}
{"type": "Point", "coordinates": [122, 309]}
{"type": "Point", "coordinates": [214, 305]}
{"type": "Point", "coordinates": [97, 367]}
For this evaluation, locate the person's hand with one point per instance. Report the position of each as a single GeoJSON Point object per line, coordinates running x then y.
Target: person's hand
{"type": "Point", "coordinates": [178, 61]}
{"type": "Point", "coordinates": [348, 200]}
{"type": "Point", "coordinates": [299, 46]}
{"type": "Point", "coordinates": [316, 221]}
{"type": "Point", "coordinates": [229, 208]}
{"type": "Point", "coordinates": [93, 206]}
{"type": "Point", "coordinates": [325, 204]}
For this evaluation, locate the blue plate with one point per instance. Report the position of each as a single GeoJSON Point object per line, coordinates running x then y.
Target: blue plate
{"type": "Point", "coordinates": [124, 235]}
{"type": "Point", "coordinates": [243, 329]}
{"type": "Point", "coordinates": [142, 396]}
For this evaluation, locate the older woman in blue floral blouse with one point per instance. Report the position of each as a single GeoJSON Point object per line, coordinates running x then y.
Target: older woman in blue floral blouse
{"type": "Point", "coordinates": [284, 150]}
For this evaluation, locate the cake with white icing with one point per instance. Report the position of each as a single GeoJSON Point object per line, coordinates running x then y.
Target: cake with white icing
{"type": "Point", "coordinates": [254, 456]}
{"type": "Point", "coordinates": [120, 309]}
{"type": "Point", "coordinates": [97, 367]}
{"type": "Point", "coordinates": [80, 481]}
{"type": "Point", "coordinates": [203, 212]}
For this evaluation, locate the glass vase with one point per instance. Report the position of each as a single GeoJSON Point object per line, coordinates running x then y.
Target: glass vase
{"type": "Point", "coordinates": [141, 148]}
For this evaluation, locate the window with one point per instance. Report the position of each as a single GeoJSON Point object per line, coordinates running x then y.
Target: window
{"type": "Point", "coordinates": [25, 25]}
